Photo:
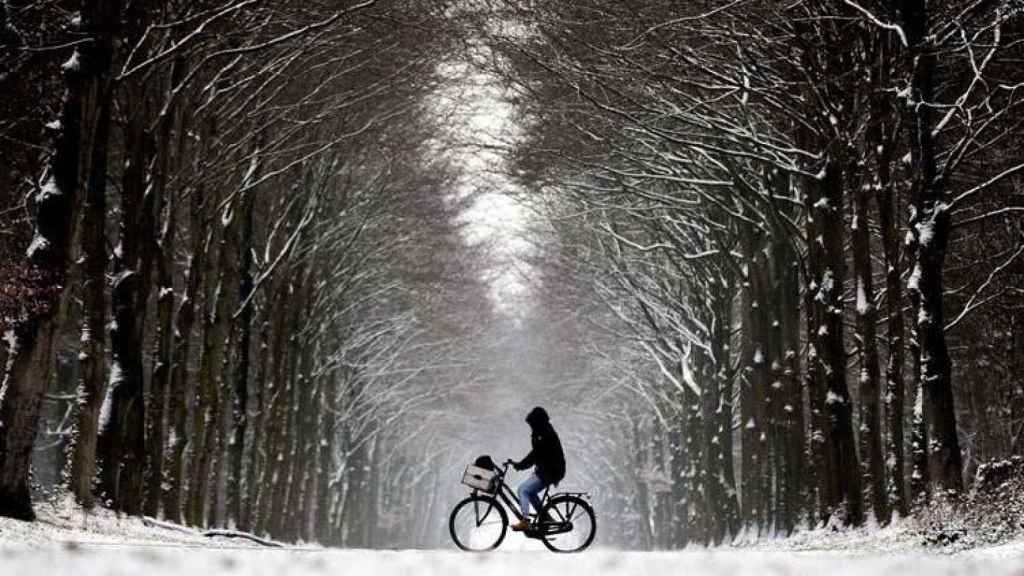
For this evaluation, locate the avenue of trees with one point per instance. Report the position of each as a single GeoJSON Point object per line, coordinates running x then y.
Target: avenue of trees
{"type": "Point", "coordinates": [788, 239]}
{"type": "Point", "coordinates": [230, 257]}
{"type": "Point", "coordinates": [775, 269]}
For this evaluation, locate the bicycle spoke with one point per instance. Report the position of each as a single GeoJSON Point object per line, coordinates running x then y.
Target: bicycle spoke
{"type": "Point", "coordinates": [570, 507]}
{"type": "Point", "coordinates": [556, 514]}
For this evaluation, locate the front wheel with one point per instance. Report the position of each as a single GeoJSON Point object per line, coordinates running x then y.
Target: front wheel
{"type": "Point", "coordinates": [478, 523]}
{"type": "Point", "coordinates": [573, 521]}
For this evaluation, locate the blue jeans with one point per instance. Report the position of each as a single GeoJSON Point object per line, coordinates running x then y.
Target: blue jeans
{"type": "Point", "coordinates": [528, 492]}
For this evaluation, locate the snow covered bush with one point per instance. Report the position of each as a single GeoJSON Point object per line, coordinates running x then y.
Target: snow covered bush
{"type": "Point", "coordinates": [992, 512]}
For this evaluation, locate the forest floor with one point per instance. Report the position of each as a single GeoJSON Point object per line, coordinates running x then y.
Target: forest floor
{"type": "Point", "coordinates": [64, 541]}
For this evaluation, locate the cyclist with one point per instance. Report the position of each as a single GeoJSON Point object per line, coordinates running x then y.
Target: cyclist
{"type": "Point", "coordinates": [548, 461]}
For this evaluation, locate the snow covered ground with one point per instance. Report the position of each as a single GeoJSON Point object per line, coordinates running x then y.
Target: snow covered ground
{"type": "Point", "coordinates": [167, 560]}
{"type": "Point", "coordinates": [67, 542]}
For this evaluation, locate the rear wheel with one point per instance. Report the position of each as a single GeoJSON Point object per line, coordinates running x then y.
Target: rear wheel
{"type": "Point", "coordinates": [576, 518]}
{"type": "Point", "coordinates": [478, 523]}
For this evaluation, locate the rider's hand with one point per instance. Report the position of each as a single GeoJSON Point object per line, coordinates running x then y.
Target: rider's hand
{"type": "Point", "coordinates": [518, 466]}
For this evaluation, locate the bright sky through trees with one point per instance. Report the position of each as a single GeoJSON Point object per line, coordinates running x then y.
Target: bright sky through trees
{"type": "Point", "coordinates": [480, 131]}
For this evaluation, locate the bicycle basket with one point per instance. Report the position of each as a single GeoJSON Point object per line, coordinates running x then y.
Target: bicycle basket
{"type": "Point", "coordinates": [480, 478]}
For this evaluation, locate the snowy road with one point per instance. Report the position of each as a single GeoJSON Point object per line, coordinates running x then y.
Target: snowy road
{"type": "Point", "coordinates": [65, 542]}
{"type": "Point", "coordinates": [161, 560]}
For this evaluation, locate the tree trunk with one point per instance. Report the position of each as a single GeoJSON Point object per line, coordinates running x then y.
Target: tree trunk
{"type": "Point", "coordinates": [277, 390]}
{"type": "Point", "coordinates": [299, 436]}
{"type": "Point", "coordinates": [753, 389]}
{"type": "Point", "coordinates": [721, 441]}
{"type": "Point", "coordinates": [314, 439]}
{"type": "Point", "coordinates": [814, 378]}
{"type": "Point", "coordinates": [774, 343]}
{"type": "Point", "coordinates": [81, 465]}
{"type": "Point", "coordinates": [156, 402]}
{"type": "Point", "coordinates": [795, 420]}
{"type": "Point", "coordinates": [688, 474]}
{"type": "Point", "coordinates": [881, 139]}
{"type": "Point", "coordinates": [895, 388]}
{"type": "Point", "coordinates": [788, 394]}
{"type": "Point", "coordinates": [352, 517]}
{"type": "Point", "coordinates": [211, 374]}
{"type": "Point", "coordinates": [179, 385]}
{"type": "Point", "coordinates": [258, 461]}
{"type": "Point", "coordinates": [930, 227]}
{"type": "Point", "coordinates": [873, 470]}
{"type": "Point", "coordinates": [283, 414]}
{"type": "Point", "coordinates": [837, 468]}
{"type": "Point", "coordinates": [30, 340]}
{"type": "Point", "coordinates": [237, 491]}
{"type": "Point", "coordinates": [643, 508]}
{"type": "Point", "coordinates": [920, 476]}
{"type": "Point", "coordinates": [122, 436]}
{"type": "Point", "coordinates": [326, 460]}
{"type": "Point", "coordinates": [373, 492]}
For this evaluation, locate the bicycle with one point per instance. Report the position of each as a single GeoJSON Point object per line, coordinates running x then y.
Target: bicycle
{"type": "Point", "coordinates": [479, 522]}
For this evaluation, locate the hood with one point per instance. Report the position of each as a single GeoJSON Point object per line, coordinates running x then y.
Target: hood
{"type": "Point", "coordinates": [537, 418]}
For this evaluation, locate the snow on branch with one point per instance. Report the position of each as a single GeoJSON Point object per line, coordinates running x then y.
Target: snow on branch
{"type": "Point", "coordinates": [197, 32]}
{"type": "Point", "coordinates": [990, 182]}
{"type": "Point", "coordinates": [993, 214]}
{"type": "Point", "coordinates": [176, 47]}
{"type": "Point", "coordinates": [690, 383]}
{"type": "Point", "coordinates": [973, 303]}
{"type": "Point", "coordinates": [874, 20]}
{"type": "Point", "coordinates": [683, 19]}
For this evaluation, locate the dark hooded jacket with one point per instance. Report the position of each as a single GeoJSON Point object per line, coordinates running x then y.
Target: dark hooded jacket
{"type": "Point", "coordinates": [547, 453]}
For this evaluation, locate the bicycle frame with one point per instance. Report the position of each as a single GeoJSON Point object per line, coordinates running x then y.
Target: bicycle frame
{"type": "Point", "coordinates": [505, 494]}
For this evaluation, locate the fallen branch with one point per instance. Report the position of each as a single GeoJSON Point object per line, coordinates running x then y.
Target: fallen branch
{"type": "Point", "coordinates": [153, 522]}
{"type": "Point", "coordinates": [244, 535]}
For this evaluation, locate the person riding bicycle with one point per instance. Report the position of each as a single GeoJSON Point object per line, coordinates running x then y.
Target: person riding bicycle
{"type": "Point", "coordinates": [548, 461]}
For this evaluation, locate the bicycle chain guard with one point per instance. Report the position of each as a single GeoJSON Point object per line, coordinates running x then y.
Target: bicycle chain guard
{"type": "Point", "coordinates": [548, 529]}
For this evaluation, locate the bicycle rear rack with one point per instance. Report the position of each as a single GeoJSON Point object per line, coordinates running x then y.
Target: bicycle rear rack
{"type": "Point", "coordinates": [580, 493]}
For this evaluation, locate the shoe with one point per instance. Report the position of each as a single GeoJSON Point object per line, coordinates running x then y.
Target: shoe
{"type": "Point", "coordinates": [520, 526]}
